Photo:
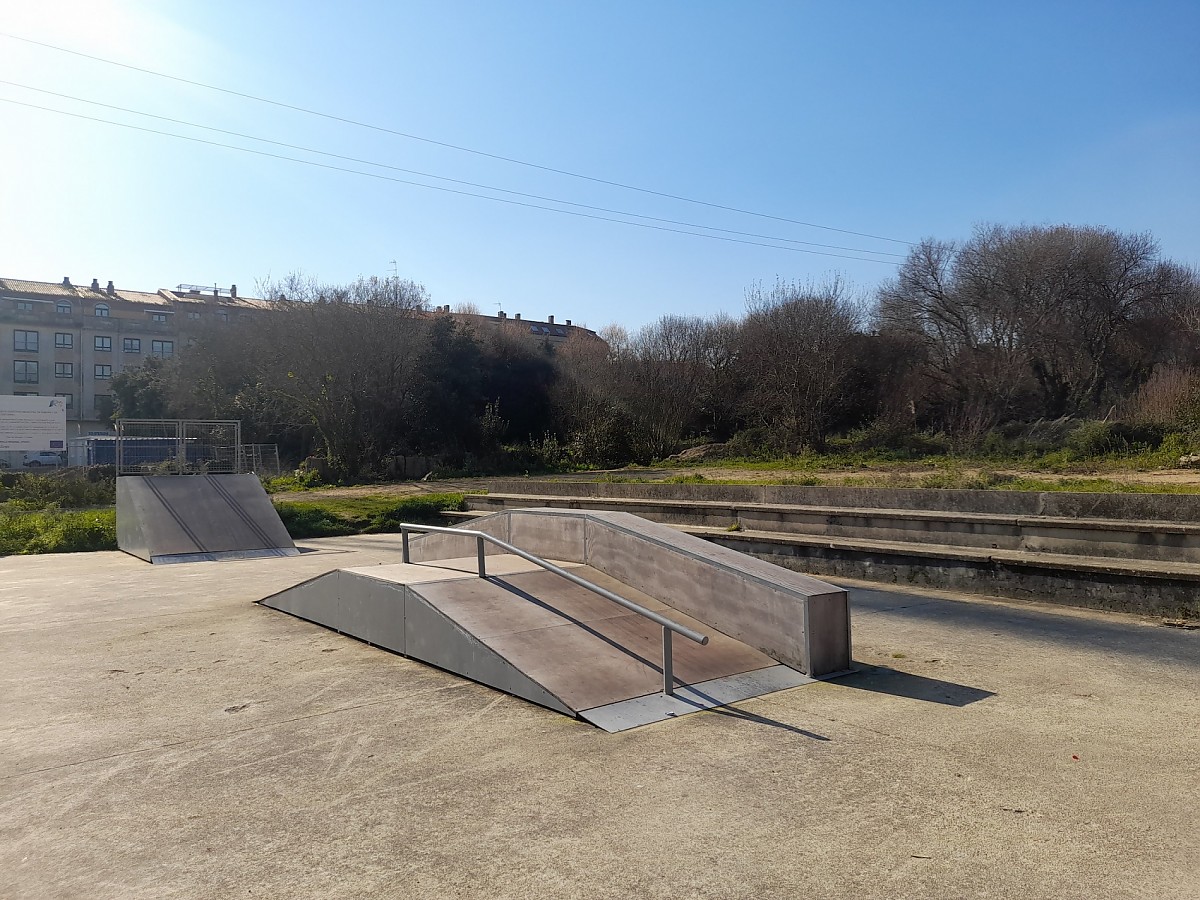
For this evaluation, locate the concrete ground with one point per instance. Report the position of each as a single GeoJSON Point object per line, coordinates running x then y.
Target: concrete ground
{"type": "Point", "coordinates": [162, 736]}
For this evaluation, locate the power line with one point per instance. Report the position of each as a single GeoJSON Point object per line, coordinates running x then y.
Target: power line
{"type": "Point", "coordinates": [434, 187]}
{"type": "Point", "coordinates": [367, 162]}
{"type": "Point", "coordinates": [414, 137]}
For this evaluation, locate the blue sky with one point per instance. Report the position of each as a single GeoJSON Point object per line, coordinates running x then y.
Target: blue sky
{"type": "Point", "coordinates": [901, 121]}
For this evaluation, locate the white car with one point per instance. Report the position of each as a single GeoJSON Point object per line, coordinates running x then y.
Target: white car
{"type": "Point", "coordinates": [41, 458]}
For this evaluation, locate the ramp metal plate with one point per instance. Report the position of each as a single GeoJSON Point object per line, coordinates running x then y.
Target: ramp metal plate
{"type": "Point", "coordinates": [188, 518]}
{"type": "Point", "coordinates": [692, 698]}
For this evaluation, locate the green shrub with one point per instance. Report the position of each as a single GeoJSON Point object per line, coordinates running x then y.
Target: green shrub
{"type": "Point", "coordinates": [56, 531]}
{"type": "Point", "coordinates": [299, 480]}
{"type": "Point", "coordinates": [70, 488]}
{"type": "Point", "coordinates": [304, 520]}
{"type": "Point", "coordinates": [364, 515]}
{"type": "Point", "coordinates": [425, 509]}
{"type": "Point", "coordinates": [1100, 438]}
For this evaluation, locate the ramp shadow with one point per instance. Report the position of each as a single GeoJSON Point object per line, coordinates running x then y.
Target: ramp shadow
{"type": "Point", "coordinates": [884, 680]}
{"type": "Point", "coordinates": [731, 712]}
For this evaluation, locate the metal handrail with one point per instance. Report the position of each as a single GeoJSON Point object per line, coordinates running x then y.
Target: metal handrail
{"type": "Point", "coordinates": [668, 625]}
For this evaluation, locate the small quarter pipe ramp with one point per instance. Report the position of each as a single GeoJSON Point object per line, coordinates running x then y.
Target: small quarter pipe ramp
{"type": "Point", "coordinates": [188, 518]}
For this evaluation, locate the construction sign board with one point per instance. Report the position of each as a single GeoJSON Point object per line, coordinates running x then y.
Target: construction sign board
{"type": "Point", "coordinates": [33, 423]}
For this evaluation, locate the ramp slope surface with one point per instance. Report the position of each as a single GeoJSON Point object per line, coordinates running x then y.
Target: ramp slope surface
{"type": "Point", "coordinates": [536, 636]}
{"type": "Point", "coordinates": [188, 518]}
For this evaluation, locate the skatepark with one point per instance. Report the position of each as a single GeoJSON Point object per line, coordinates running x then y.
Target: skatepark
{"type": "Point", "coordinates": [166, 734]}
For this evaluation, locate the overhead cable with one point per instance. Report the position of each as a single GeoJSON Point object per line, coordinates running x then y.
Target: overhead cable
{"type": "Point", "coordinates": [489, 187]}
{"type": "Point", "coordinates": [462, 149]}
{"type": "Point", "coordinates": [434, 187]}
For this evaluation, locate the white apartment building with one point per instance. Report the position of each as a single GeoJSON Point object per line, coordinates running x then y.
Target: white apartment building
{"type": "Point", "coordinates": [64, 340]}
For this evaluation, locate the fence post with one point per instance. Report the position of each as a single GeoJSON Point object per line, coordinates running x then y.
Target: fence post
{"type": "Point", "coordinates": [668, 673]}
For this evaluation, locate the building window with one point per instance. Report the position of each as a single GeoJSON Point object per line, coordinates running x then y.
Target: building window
{"type": "Point", "coordinates": [102, 310]}
{"type": "Point", "coordinates": [25, 341]}
{"type": "Point", "coordinates": [64, 370]}
{"type": "Point", "coordinates": [26, 394]}
{"type": "Point", "coordinates": [102, 371]}
{"type": "Point", "coordinates": [158, 317]}
{"type": "Point", "coordinates": [223, 316]}
{"type": "Point", "coordinates": [103, 404]}
{"type": "Point", "coordinates": [100, 342]}
{"type": "Point", "coordinates": [162, 349]}
{"type": "Point", "coordinates": [70, 398]}
{"type": "Point", "coordinates": [63, 309]}
{"type": "Point", "coordinates": [131, 345]}
{"type": "Point", "coordinates": [64, 340]}
{"type": "Point", "coordinates": [25, 371]}
{"type": "Point", "coordinates": [24, 306]}
{"type": "Point", "coordinates": [193, 315]}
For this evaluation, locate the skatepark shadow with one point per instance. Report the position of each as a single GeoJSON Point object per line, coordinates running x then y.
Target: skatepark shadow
{"type": "Point", "coordinates": [978, 615]}
{"type": "Point", "coordinates": [730, 712]}
{"type": "Point", "coordinates": [884, 680]}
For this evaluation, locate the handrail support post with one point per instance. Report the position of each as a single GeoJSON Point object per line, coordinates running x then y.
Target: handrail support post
{"type": "Point", "coordinates": [667, 666]}
{"type": "Point", "coordinates": [479, 553]}
{"type": "Point", "coordinates": [404, 545]}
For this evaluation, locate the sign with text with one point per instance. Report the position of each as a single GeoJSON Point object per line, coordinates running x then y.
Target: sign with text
{"type": "Point", "coordinates": [33, 423]}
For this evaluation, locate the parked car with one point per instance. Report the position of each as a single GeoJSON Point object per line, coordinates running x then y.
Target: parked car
{"type": "Point", "coordinates": [34, 460]}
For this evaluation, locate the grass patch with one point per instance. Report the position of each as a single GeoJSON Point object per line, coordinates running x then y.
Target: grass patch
{"type": "Point", "coordinates": [57, 531]}
{"type": "Point", "coordinates": [339, 516]}
{"type": "Point", "coordinates": [292, 482]}
{"type": "Point", "coordinates": [53, 530]}
{"type": "Point", "coordinates": [949, 478]}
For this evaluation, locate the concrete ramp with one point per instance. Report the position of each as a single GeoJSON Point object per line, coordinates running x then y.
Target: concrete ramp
{"type": "Point", "coordinates": [189, 518]}
{"type": "Point", "coordinates": [534, 635]}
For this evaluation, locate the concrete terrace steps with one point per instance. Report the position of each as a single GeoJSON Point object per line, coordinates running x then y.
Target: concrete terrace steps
{"type": "Point", "coordinates": [1041, 534]}
{"type": "Point", "coordinates": [1004, 549]}
{"type": "Point", "coordinates": [1057, 561]}
{"type": "Point", "coordinates": [1141, 568]}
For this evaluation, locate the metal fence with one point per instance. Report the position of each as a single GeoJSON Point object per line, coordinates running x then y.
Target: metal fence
{"type": "Point", "coordinates": [179, 447]}
{"type": "Point", "coordinates": [261, 459]}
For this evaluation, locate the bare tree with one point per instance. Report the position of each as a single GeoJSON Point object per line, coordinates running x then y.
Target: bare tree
{"type": "Point", "coordinates": [796, 342]}
{"type": "Point", "coordinates": [1022, 322]}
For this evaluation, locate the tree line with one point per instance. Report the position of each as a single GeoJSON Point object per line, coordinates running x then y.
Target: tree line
{"type": "Point", "coordinates": [1014, 326]}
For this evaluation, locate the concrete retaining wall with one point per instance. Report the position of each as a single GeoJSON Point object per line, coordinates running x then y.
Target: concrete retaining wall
{"type": "Point", "coordinates": [1117, 539]}
{"type": "Point", "coordinates": [1183, 508]}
